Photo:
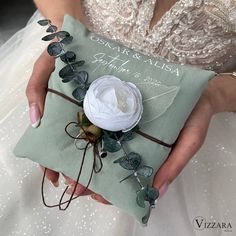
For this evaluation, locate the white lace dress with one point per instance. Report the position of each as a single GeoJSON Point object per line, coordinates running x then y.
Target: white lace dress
{"type": "Point", "coordinates": [199, 32]}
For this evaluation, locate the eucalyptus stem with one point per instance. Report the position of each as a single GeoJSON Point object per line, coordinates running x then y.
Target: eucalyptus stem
{"type": "Point", "coordinates": [62, 48]}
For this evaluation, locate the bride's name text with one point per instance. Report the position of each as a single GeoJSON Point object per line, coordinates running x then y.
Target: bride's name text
{"type": "Point", "coordinates": [121, 65]}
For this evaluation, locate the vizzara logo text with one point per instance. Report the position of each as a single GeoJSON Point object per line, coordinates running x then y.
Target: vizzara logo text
{"type": "Point", "coordinates": [200, 223]}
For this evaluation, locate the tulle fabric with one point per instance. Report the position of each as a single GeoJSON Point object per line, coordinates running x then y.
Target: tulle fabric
{"type": "Point", "coordinates": [206, 187]}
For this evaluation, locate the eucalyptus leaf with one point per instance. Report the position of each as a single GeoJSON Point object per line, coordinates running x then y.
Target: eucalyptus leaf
{"type": "Point", "coordinates": [145, 171]}
{"type": "Point", "coordinates": [54, 49]}
{"type": "Point", "coordinates": [127, 136]}
{"type": "Point", "coordinates": [67, 71]}
{"type": "Point", "coordinates": [140, 199]}
{"type": "Point", "coordinates": [78, 63]}
{"type": "Point", "coordinates": [67, 40]}
{"type": "Point", "coordinates": [151, 195]}
{"type": "Point", "coordinates": [51, 29]}
{"type": "Point", "coordinates": [147, 215]}
{"type": "Point", "coordinates": [81, 77]}
{"type": "Point", "coordinates": [62, 34]}
{"type": "Point", "coordinates": [79, 94]}
{"type": "Point", "coordinates": [130, 161]}
{"type": "Point", "coordinates": [49, 37]}
{"type": "Point", "coordinates": [68, 57]}
{"type": "Point", "coordinates": [67, 79]}
{"type": "Point", "coordinates": [44, 22]}
{"type": "Point", "coordinates": [110, 144]}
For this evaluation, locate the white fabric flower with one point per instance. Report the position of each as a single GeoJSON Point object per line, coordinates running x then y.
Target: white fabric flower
{"type": "Point", "coordinates": [113, 104]}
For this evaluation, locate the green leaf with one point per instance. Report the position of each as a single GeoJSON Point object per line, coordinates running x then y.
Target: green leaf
{"type": "Point", "coordinates": [130, 161]}
{"type": "Point", "coordinates": [110, 144]}
{"type": "Point", "coordinates": [60, 34]}
{"type": "Point", "coordinates": [67, 79]}
{"type": "Point", "coordinates": [140, 199]}
{"type": "Point", "coordinates": [145, 171]}
{"type": "Point", "coordinates": [67, 40]}
{"type": "Point", "coordinates": [79, 94]}
{"type": "Point", "coordinates": [127, 136]}
{"type": "Point", "coordinates": [49, 37]}
{"type": "Point", "coordinates": [67, 71]}
{"type": "Point", "coordinates": [78, 63]}
{"type": "Point", "coordinates": [44, 22]}
{"type": "Point", "coordinates": [54, 49]}
{"type": "Point", "coordinates": [51, 29]}
{"type": "Point", "coordinates": [151, 195]}
{"type": "Point", "coordinates": [147, 216]}
{"type": "Point", "coordinates": [81, 77]}
{"type": "Point", "coordinates": [68, 57]}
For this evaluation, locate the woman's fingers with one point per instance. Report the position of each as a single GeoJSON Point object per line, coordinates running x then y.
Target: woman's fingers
{"type": "Point", "coordinates": [189, 142]}
{"type": "Point", "coordinates": [37, 85]}
{"type": "Point", "coordinates": [100, 199]}
{"type": "Point", "coordinates": [187, 145]}
{"type": "Point", "coordinates": [80, 190]}
{"type": "Point", "coordinates": [52, 175]}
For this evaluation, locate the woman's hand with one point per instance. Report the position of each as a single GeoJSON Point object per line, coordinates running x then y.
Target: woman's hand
{"type": "Point", "coordinates": [219, 96]}
{"type": "Point", "coordinates": [36, 93]}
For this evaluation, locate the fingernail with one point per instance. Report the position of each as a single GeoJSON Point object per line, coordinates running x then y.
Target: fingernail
{"type": "Point", "coordinates": [163, 189]}
{"type": "Point", "coordinates": [34, 114]}
{"type": "Point", "coordinates": [55, 184]}
{"type": "Point", "coordinates": [94, 196]}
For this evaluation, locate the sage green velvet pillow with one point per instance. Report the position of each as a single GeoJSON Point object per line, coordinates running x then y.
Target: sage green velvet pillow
{"type": "Point", "coordinates": [169, 92]}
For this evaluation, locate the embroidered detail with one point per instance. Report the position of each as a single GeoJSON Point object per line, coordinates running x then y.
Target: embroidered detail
{"type": "Point", "coordinates": [200, 32]}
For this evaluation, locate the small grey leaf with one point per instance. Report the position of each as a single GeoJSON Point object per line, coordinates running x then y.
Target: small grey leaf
{"type": "Point", "coordinates": [62, 34]}
{"type": "Point", "coordinates": [44, 22]}
{"type": "Point", "coordinates": [67, 79]}
{"type": "Point", "coordinates": [130, 161]}
{"type": "Point", "coordinates": [79, 94]}
{"type": "Point", "coordinates": [54, 49]}
{"type": "Point", "coordinates": [51, 29]}
{"type": "Point", "coordinates": [151, 195]}
{"type": "Point", "coordinates": [68, 57]}
{"type": "Point", "coordinates": [81, 77]}
{"type": "Point", "coordinates": [66, 72]}
{"type": "Point", "coordinates": [147, 215]}
{"type": "Point", "coordinates": [78, 63]}
{"type": "Point", "coordinates": [110, 144]}
{"type": "Point", "coordinates": [67, 40]}
{"type": "Point", "coordinates": [140, 199]}
{"type": "Point", "coordinates": [145, 171]}
{"type": "Point", "coordinates": [49, 37]}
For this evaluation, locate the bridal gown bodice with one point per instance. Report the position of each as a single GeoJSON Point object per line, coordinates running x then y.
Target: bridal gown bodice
{"type": "Point", "coordinates": [196, 32]}
{"type": "Point", "coordinates": [199, 32]}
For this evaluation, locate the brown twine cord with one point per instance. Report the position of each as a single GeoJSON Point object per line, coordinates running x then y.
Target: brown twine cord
{"type": "Point", "coordinates": [138, 132]}
{"type": "Point", "coordinates": [92, 139]}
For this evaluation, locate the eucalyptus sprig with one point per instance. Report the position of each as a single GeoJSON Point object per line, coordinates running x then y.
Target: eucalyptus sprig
{"type": "Point", "coordinates": [70, 72]}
